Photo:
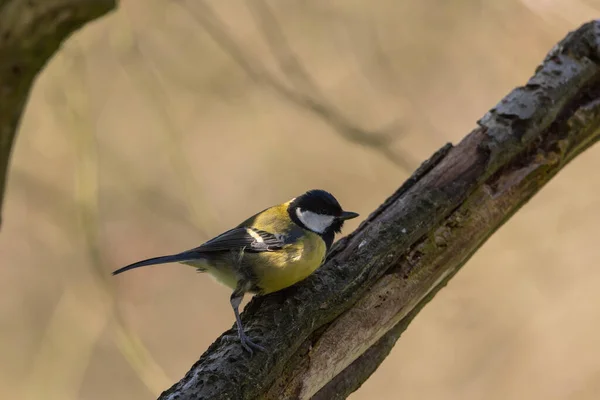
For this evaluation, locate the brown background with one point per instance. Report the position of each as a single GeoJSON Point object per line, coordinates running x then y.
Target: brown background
{"type": "Point", "coordinates": [143, 136]}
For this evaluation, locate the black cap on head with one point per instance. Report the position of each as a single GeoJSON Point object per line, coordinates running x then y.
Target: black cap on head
{"type": "Point", "coordinates": [321, 203]}
{"type": "Point", "coordinates": [318, 201]}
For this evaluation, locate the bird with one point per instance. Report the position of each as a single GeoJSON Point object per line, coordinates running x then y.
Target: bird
{"type": "Point", "coordinates": [269, 251]}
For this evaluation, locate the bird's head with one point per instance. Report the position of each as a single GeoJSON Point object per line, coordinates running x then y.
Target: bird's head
{"type": "Point", "coordinates": [319, 212]}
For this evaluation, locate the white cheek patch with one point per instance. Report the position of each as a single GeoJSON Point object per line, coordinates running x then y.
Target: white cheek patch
{"type": "Point", "coordinates": [315, 222]}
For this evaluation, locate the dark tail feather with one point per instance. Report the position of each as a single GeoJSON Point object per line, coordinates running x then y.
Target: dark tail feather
{"type": "Point", "coordinates": [185, 256]}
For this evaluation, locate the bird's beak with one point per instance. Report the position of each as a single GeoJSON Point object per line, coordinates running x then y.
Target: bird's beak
{"type": "Point", "coordinates": [347, 215]}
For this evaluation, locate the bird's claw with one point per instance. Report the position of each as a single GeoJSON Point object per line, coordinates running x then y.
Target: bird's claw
{"type": "Point", "coordinates": [247, 344]}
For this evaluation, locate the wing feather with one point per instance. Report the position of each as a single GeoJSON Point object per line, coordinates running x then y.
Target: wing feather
{"type": "Point", "coordinates": [246, 238]}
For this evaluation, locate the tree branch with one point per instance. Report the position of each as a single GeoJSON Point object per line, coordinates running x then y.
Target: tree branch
{"type": "Point", "coordinates": [30, 33]}
{"type": "Point", "coordinates": [326, 335]}
{"type": "Point", "coordinates": [310, 98]}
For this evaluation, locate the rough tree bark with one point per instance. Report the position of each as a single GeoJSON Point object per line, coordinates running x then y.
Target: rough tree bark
{"type": "Point", "coordinates": [326, 335]}
{"type": "Point", "coordinates": [30, 33]}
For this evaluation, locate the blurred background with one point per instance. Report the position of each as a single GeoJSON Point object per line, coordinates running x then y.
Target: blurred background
{"type": "Point", "coordinates": [168, 122]}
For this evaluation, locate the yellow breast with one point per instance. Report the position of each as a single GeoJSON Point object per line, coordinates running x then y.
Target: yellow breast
{"type": "Point", "coordinates": [280, 269]}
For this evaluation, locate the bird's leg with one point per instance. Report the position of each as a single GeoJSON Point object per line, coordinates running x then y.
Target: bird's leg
{"type": "Point", "coordinates": [247, 344]}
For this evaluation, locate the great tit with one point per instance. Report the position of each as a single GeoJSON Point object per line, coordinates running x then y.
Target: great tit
{"type": "Point", "coordinates": [269, 251]}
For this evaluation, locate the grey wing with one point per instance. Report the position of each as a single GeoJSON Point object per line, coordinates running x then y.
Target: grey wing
{"type": "Point", "coordinates": [246, 238]}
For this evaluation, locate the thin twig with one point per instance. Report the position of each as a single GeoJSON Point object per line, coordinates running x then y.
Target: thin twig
{"type": "Point", "coordinates": [378, 140]}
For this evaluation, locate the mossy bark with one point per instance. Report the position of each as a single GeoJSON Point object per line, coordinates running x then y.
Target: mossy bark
{"type": "Point", "coordinates": [31, 31]}
{"type": "Point", "coordinates": [326, 335]}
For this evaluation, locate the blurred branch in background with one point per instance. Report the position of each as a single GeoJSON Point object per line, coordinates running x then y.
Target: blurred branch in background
{"type": "Point", "coordinates": [87, 201]}
{"type": "Point", "coordinates": [30, 33]}
{"type": "Point", "coordinates": [89, 292]}
{"type": "Point", "coordinates": [84, 298]}
{"type": "Point", "coordinates": [328, 334]}
{"type": "Point", "coordinates": [379, 140]}
{"type": "Point", "coordinates": [148, 81]}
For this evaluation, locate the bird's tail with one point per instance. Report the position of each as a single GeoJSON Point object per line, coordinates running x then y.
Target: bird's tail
{"type": "Point", "coordinates": [181, 257]}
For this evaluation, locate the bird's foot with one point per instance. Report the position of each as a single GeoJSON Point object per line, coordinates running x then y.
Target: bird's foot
{"type": "Point", "coordinates": [247, 344]}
